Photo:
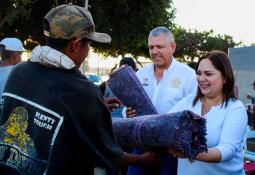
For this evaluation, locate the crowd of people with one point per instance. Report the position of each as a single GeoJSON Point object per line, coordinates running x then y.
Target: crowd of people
{"type": "Point", "coordinates": [55, 121]}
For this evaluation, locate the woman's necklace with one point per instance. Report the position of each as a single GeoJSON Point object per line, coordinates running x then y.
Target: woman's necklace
{"type": "Point", "coordinates": [207, 107]}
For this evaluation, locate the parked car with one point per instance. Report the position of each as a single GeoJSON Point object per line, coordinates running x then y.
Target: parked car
{"type": "Point", "coordinates": [96, 79]}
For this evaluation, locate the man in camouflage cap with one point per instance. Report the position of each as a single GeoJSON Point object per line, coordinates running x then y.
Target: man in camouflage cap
{"type": "Point", "coordinates": [68, 125]}
{"type": "Point", "coordinates": [68, 21]}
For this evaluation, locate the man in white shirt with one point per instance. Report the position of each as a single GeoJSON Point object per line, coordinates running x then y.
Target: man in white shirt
{"type": "Point", "coordinates": [166, 81]}
{"type": "Point", "coordinates": [11, 50]}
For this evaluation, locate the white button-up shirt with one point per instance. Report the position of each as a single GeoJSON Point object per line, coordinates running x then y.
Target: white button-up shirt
{"type": "Point", "coordinates": [178, 81]}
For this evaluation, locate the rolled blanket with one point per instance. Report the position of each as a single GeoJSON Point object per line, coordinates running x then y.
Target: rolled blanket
{"type": "Point", "coordinates": [182, 131]}
{"type": "Point", "coordinates": [126, 86]}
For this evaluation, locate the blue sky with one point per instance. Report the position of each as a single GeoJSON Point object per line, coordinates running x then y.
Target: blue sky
{"type": "Point", "coordinates": [233, 17]}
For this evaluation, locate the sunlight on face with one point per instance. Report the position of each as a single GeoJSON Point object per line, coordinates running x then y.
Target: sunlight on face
{"type": "Point", "coordinates": [161, 50]}
{"type": "Point", "coordinates": [210, 80]}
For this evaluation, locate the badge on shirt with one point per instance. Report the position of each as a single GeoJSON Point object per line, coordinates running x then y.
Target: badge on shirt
{"type": "Point", "coordinates": [175, 83]}
{"type": "Point", "coordinates": [145, 81]}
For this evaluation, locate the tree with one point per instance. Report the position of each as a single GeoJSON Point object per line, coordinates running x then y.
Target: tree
{"type": "Point", "coordinates": [26, 24]}
{"type": "Point", "coordinates": [193, 44]}
{"type": "Point", "coordinates": [188, 44]}
{"type": "Point", "coordinates": [128, 23]}
{"type": "Point", "coordinates": [10, 10]}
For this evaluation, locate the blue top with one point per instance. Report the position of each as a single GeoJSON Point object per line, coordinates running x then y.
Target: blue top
{"type": "Point", "coordinates": [4, 73]}
{"type": "Point", "coordinates": [115, 112]}
{"type": "Point", "coordinates": [226, 129]}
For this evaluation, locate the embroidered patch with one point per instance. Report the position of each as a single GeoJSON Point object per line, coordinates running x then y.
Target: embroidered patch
{"type": "Point", "coordinates": [145, 81]}
{"type": "Point", "coordinates": [175, 83]}
{"type": "Point", "coordinates": [13, 132]}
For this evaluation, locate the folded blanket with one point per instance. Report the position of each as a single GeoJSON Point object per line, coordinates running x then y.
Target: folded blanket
{"type": "Point", "coordinates": [182, 131]}
{"type": "Point", "coordinates": [126, 86]}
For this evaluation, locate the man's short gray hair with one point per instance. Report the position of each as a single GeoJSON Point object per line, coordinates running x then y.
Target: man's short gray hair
{"type": "Point", "coordinates": [158, 30]}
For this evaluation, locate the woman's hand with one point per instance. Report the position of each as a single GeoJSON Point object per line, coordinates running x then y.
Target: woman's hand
{"type": "Point", "coordinates": [175, 153]}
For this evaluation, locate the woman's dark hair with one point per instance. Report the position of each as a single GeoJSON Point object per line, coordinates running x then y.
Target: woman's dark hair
{"type": "Point", "coordinates": [222, 63]}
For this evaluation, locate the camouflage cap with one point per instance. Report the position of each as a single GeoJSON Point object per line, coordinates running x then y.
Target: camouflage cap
{"type": "Point", "coordinates": [68, 21]}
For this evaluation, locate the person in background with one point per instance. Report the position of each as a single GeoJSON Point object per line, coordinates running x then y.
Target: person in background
{"type": "Point", "coordinates": [166, 82]}
{"type": "Point", "coordinates": [226, 119]}
{"type": "Point", "coordinates": [129, 62]}
{"type": "Point", "coordinates": [11, 50]}
{"type": "Point", "coordinates": [250, 97]}
{"type": "Point", "coordinates": [117, 112]}
{"type": "Point", "coordinates": [54, 120]}
{"type": "Point", "coordinates": [108, 93]}
{"type": "Point", "coordinates": [124, 61]}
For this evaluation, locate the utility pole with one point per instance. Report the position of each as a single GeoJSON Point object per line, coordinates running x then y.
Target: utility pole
{"type": "Point", "coordinates": [86, 4]}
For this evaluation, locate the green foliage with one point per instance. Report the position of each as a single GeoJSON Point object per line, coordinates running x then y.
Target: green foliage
{"type": "Point", "coordinates": [128, 22]}
{"type": "Point", "coordinates": [193, 44]}
{"type": "Point", "coordinates": [27, 21]}
{"type": "Point", "coordinates": [26, 24]}
{"type": "Point", "coordinates": [12, 9]}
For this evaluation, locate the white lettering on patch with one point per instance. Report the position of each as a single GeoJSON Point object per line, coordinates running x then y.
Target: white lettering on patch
{"type": "Point", "coordinates": [43, 121]}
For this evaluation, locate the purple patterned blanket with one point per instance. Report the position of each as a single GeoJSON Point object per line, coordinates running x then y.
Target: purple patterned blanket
{"type": "Point", "coordinates": [127, 87]}
{"type": "Point", "coordinates": [182, 131]}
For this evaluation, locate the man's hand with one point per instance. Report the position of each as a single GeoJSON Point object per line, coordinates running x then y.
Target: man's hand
{"type": "Point", "coordinates": [112, 103]}
{"type": "Point", "coordinates": [130, 112]}
{"type": "Point", "coordinates": [145, 158]}
{"type": "Point", "coordinates": [148, 158]}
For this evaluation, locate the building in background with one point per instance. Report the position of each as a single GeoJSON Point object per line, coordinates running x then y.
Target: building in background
{"type": "Point", "coordinates": [243, 63]}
